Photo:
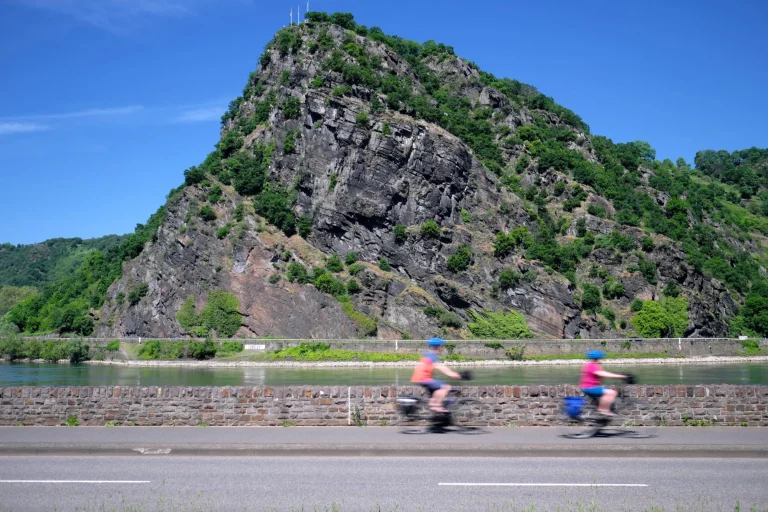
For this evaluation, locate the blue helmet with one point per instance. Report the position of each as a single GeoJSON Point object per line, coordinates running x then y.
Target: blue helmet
{"type": "Point", "coordinates": [595, 354]}
{"type": "Point", "coordinates": [435, 342]}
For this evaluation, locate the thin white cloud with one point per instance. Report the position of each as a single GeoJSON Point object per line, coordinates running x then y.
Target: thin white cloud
{"type": "Point", "coordinates": [89, 112]}
{"type": "Point", "coordinates": [117, 16]}
{"type": "Point", "coordinates": [195, 115]}
{"type": "Point", "coordinates": [9, 128]}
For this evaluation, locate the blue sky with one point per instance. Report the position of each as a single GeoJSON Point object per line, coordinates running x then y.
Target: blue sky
{"type": "Point", "coordinates": [104, 103]}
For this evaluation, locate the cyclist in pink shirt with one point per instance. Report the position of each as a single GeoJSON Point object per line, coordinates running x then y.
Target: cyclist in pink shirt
{"type": "Point", "coordinates": [591, 385]}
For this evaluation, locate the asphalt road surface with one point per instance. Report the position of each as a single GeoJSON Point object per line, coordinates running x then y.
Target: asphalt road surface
{"type": "Point", "coordinates": [148, 483]}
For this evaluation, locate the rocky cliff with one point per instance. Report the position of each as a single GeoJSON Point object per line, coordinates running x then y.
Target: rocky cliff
{"type": "Point", "coordinates": [361, 142]}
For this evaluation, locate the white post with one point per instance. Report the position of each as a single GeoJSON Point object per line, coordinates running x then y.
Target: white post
{"type": "Point", "coordinates": [349, 405]}
{"type": "Point", "coordinates": [395, 345]}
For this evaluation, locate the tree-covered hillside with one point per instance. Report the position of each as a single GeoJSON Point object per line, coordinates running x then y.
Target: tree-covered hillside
{"type": "Point", "coordinates": [39, 264]}
{"type": "Point", "coordinates": [571, 222]}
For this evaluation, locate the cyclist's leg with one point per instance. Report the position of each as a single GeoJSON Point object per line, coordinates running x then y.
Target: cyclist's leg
{"type": "Point", "coordinates": [609, 395]}
{"type": "Point", "coordinates": [438, 397]}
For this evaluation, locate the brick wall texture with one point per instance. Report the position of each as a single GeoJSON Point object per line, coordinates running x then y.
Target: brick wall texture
{"type": "Point", "coordinates": [342, 405]}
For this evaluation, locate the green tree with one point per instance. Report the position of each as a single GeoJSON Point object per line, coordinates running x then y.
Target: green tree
{"type": "Point", "coordinates": [221, 314]}
{"type": "Point", "coordinates": [350, 258]}
{"type": "Point", "coordinates": [291, 108]}
{"type": "Point", "coordinates": [137, 292]}
{"type": "Point", "coordinates": [12, 295]}
{"type": "Point", "coordinates": [499, 325]}
{"type": "Point", "coordinates": [590, 299]}
{"type": "Point", "coordinates": [384, 265]}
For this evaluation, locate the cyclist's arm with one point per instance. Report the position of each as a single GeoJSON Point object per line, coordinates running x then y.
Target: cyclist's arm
{"type": "Point", "coordinates": [608, 375]}
{"type": "Point", "coordinates": [446, 371]}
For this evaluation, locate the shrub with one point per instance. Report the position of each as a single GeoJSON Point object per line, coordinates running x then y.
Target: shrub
{"type": "Point", "coordinates": [636, 306]}
{"type": "Point", "coordinates": [646, 243]}
{"type": "Point", "coordinates": [214, 195]}
{"type": "Point", "coordinates": [401, 235]}
{"type": "Point", "coordinates": [508, 278]}
{"type": "Point", "coordinates": [136, 293]}
{"type": "Point", "coordinates": [609, 314]}
{"type": "Point", "coordinates": [223, 231]}
{"type": "Point", "coordinates": [230, 347]}
{"type": "Point", "coordinates": [202, 350]}
{"type": "Point", "coordinates": [350, 258]}
{"type": "Point", "coordinates": [362, 120]}
{"type": "Point", "coordinates": [274, 278]}
{"type": "Point", "coordinates": [297, 273]}
{"type": "Point", "coordinates": [53, 351]}
{"type": "Point", "coordinates": [12, 348]}
{"type": "Point", "coordinates": [240, 212]}
{"type": "Point", "coordinates": [289, 146]}
{"type": "Point", "coordinates": [444, 318]}
{"type": "Point", "coordinates": [78, 351]}
{"type": "Point", "coordinates": [671, 289]}
{"type": "Point", "coordinates": [326, 283]}
{"type": "Point", "coordinates": [590, 299]}
{"type": "Point", "coordinates": [355, 269]}
{"type": "Point", "coordinates": [353, 286]}
{"type": "Point", "coordinates": [499, 325]}
{"type": "Point", "coordinates": [305, 226]}
{"type": "Point", "coordinates": [648, 269]}
{"type": "Point", "coordinates": [207, 213]}
{"type": "Point", "coordinates": [113, 346]}
{"type": "Point", "coordinates": [32, 349]}
{"type": "Point", "coordinates": [291, 108]}
{"type": "Point", "coordinates": [613, 289]}
{"type": "Point", "coordinates": [334, 264]}
{"type": "Point", "coordinates": [460, 260]}
{"type": "Point", "coordinates": [506, 243]}
{"type": "Point", "coordinates": [430, 229]}
{"type": "Point", "coordinates": [384, 265]}
{"type": "Point", "coordinates": [465, 216]}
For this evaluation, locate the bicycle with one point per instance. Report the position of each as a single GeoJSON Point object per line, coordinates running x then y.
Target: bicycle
{"type": "Point", "coordinates": [414, 410]}
{"type": "Point", "coordinates": [578, 411]}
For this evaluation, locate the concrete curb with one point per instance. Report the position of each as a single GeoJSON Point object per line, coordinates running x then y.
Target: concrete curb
{"type": "Point", "coordinates": [579, 449]}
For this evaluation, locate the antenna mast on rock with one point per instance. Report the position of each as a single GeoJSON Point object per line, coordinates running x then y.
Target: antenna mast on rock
{"type": "Point", "coordinates": [291, 16]}
{"type": "Point", "coordinates": [298, 15]}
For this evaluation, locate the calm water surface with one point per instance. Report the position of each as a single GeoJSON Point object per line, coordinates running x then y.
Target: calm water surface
{"type": "Point", "coordinates": [46, 374]}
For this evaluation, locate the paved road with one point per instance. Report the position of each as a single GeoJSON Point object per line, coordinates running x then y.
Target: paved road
{"type": "Point", "coordinates": [381, 484]}
{"type": "Point", "coordinates": [730, 442]}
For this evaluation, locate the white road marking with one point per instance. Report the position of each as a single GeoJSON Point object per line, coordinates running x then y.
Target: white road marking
{"type": "Point", "coordinates": [495, 484]}
{"type": "Point", "coordinates": [74, 481]}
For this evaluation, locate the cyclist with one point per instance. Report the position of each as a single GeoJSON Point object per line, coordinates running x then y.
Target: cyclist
{"type": "Point", "coordinates": [423, 374]}
{"type": "Point", "coordinates": [590, 383]}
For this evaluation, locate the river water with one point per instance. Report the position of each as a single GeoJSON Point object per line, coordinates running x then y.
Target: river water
{"type": "Point", "coordinates": [46, 374]}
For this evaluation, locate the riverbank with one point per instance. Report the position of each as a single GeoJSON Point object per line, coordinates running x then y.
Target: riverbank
{"type": "Point", "coordinates": [402, 364]}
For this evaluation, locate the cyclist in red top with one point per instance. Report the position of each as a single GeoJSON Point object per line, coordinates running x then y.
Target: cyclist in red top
{"type": "Point", "coordinates": [590, 383]}
{"type": "Point", "coordinates": [423, 374]}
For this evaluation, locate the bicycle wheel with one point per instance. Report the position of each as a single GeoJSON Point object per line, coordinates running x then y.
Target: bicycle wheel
{"type": "Point", "coordinates": [469, 416]}
{"type": "Point", "coordinates": [412, 415]}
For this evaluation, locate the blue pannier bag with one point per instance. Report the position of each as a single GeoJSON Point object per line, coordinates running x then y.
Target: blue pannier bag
{"type": "Point", "coordinates": [573, 406]}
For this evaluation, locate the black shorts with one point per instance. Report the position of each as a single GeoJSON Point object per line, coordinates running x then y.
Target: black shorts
{"type": "Point", "coordinates": [432, 385]}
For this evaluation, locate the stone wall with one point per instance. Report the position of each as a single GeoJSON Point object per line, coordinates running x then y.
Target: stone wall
{"type": "Point", "coordinates": [337, 405]}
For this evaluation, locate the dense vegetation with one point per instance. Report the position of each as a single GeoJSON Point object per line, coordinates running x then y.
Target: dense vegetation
{"type": "Point", "coordinates": [39, 264]}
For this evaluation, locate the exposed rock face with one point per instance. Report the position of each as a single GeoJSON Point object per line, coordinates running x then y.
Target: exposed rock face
{"type": "Point", "coordinates": [357, 177]}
